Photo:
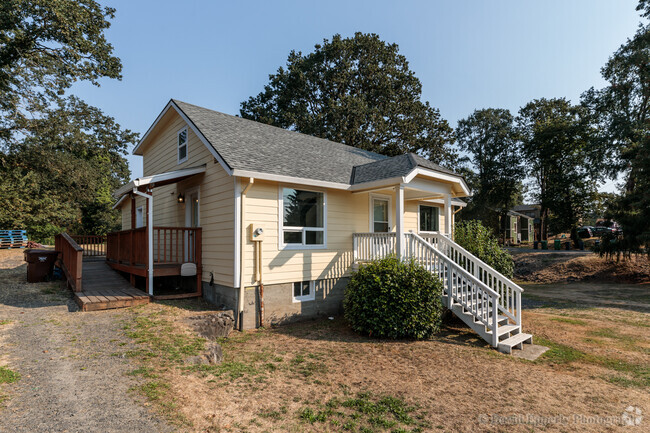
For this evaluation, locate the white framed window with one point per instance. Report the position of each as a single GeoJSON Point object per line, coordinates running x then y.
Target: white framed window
{"type": "Point", "coordinates": [139, 217]}
{"type": "Point", "coordinates": [380, 213]}
{"type": "Point", "coordinates": [182, 145]}
{"type": "Point", "coordinates": [304, 291]}
{"type": "Point", "coordinates": [428, 218]}
{"type": "Point", "coordinates": [302, 219]}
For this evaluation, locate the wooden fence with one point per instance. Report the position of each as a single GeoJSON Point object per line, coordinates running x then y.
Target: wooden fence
{"type": "Point", "coordinates": [71, 259]}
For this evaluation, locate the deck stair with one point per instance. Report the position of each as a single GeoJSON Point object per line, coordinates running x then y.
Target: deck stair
{"type": "Point", "coordinates": [485, 300]}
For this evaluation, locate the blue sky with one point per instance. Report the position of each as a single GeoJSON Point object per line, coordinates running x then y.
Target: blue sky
{"type": "Point", "coordinates": [467, 54]}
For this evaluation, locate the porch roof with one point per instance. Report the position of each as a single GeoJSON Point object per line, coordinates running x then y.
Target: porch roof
{"type": "Point", "coordinates": [156, 180]}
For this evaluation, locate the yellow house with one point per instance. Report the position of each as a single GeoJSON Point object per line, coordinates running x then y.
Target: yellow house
{"type": "Point", "coordinates": [269, 220]}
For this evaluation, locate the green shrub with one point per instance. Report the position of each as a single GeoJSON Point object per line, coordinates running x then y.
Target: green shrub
{"type": "Point", "coordinates": [480, 241]}
{"type": "Point", "coordinates": [393, 299]}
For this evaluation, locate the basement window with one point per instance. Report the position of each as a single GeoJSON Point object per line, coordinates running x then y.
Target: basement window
{"type": "Point", "coordinates": [182, 145]}
{"type": "Point", "coordinates": [304, 291]}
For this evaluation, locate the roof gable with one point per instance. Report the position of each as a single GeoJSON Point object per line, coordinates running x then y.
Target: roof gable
{"type": "Point", "coordinates": [252, 147]}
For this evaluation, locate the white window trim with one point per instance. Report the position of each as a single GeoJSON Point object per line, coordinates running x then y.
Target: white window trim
{"type": "Point", "coordinates": [141, 210]}
{"type": "Point", "coordinates": [178, 146]}
{"type": "Point", "coordinates": [371, 211]}
{"type": "Point", "coordinates": [310, 297]}
{"type": "Point", "coordinates": [439, 215]}
{"type": "Point", "coordinates": [281, 228]}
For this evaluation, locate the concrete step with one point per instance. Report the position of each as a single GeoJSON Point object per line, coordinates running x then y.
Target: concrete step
{"type": "Point", "coordinates": [516, 341]}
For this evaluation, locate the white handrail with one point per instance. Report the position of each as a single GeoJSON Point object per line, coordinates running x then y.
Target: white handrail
{"type": "Point", "coordinates": [372, 246]}
{"type": "Point", "coordinates": [471, 293]}
{"type": "Point", "coordinates": [510, 292]}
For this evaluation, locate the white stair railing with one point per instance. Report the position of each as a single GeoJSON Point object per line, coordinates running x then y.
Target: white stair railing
{"type": "Point", "coordinates": [372, 246]}
{"type": "Point", "coordinates": [459, 285]}
{"type": "Point", "coordinates": [509, 292]}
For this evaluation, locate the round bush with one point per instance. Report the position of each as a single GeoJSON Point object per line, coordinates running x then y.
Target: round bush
{"type": "Point", "coordinates": [391, 298]}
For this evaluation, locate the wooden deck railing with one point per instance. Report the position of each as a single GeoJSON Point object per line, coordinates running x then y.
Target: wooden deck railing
{"type": "Point", "coordinates": [93, 245]}
{"type": "Point", "coordinates": [170, 245]}
{"type": "Point", "coordinates": [71, 259]}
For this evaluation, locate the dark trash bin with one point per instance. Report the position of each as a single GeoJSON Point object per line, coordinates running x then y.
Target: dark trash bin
{"type": "Point", "coordinates": [535, 245]}
{"type": "Point", "coordinates": [40, 264]}
{"type": "Point", "coordinates": [557, 244]}
{"type": "Point", "coordinates": [567, 246]}
{"type": "Point", "coordinates": [545, 245]}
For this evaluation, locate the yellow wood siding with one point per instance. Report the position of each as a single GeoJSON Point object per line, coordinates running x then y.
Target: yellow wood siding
{"type": "Point", "coordinates": [216, 192]}
{"type": "Point", "coordinates": [347, 213]}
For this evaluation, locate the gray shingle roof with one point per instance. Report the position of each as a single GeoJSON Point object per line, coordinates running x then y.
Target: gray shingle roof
{"type": "Point", "coordinates": [248, 145]}
{"type": "Point", "coordinates": [400, 165]}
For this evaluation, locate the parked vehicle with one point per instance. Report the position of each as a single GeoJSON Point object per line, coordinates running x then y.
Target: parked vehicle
{"type": "Point", "coordinates": [602, 230]}
{"type": "Point", "coordinates": [585, 232]}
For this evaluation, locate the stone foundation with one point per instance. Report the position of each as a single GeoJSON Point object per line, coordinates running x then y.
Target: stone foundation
{"type": "Point", "coordinates": [279, 307]}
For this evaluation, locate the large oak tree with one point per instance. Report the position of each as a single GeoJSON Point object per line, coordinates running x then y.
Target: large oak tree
{"type": "Point", "coordinates": [358, 91]}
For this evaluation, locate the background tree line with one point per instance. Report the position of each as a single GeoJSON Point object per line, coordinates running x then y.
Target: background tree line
{"type": "Point", "coordinates": [60, 158]}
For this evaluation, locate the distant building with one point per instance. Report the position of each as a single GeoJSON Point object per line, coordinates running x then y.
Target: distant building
{"type": "Point", "coordinates": [519, 228]}
{"type": "Point", "coordinates": [531, 211]}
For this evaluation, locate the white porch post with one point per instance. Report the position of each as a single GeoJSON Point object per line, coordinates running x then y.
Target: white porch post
{"type": "Point", "coordinates": [149, 198]}
{"type": "Point", "coordinates": [448, 215]}
{"type": "Point", "coordinates": [399, 219]}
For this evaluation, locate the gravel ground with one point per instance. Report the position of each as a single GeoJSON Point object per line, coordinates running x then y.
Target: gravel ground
{"type": "Point", "coordinates": [72, 364]}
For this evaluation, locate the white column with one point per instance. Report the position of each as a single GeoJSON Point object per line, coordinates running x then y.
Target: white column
{"type": "Point", "coordinates": [149, 198]}
{"type": "Point", "coordinates": [399, 219]}
{"type": "Point", "coordinates": [448, 215]}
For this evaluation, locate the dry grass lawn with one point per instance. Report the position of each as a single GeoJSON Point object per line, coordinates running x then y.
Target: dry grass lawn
{"type": "Point", "coordinates": [319, 376]}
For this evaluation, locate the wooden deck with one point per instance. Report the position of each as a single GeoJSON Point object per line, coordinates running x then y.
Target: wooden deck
{"type": "Point", "coordinates": [103, 288]}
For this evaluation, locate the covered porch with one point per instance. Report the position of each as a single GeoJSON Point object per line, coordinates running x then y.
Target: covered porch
{"type": "Point", "coordinates": [414, 205]}
{"type": "Point", "coordinates": [148, 252]}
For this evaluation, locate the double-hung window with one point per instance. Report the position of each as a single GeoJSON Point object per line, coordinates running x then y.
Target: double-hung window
{"type": "Point", "coordinates": [303, 219]}
{"type": "Point", "coordinates": [182, 145]}
{"type": "Point", "coordinates": [429, 218]}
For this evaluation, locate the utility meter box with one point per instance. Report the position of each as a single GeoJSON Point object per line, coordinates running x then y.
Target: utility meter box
{"type": "Point", "coordinates": [255, 233]}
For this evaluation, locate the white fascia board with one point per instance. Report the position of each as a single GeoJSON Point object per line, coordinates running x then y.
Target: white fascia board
{"type": "Point", "coordinates": [442, 201]}
{"type": "Point", "coordinates": [377, 184]}
{"type": "Point", "coordinates": [196, 130]}
{"type": "Point", "coordinates": [153, 125]}
{"type": "Point", "coordinates": [290, 179]}
{"type": "Point", "coordinates": [205, 141]}
{"type": "Point", "coordinates": [119, 202]}
{"type": "Point", "coordinates": [170, 175]}
{"type": "Point", "coordinates": [437, 175]}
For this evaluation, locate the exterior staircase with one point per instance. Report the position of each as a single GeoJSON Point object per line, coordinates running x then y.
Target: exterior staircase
{"type": "Point", "coordinates": [487, 301]}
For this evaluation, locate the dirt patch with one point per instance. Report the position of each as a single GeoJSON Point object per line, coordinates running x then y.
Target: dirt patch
{"type": "Point", "coordinates": [556, 267]}
{"type": "Point", "coordinates": [71, 375]}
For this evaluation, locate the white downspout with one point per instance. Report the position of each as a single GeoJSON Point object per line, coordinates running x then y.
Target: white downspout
{"type": "Point", "coordinates": [149, 197]}
{"type": "Point", "coordinates": [242, 291]}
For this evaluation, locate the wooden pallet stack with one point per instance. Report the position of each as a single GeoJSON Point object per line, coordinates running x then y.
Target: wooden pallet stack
{"type": "Point", "coordinates": [13, 239]}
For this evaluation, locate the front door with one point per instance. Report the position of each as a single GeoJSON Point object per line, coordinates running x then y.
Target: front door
{"type": "Point", "coordinates": [380, 215]}
{"type": "Point", "coordinates": [191, 220]}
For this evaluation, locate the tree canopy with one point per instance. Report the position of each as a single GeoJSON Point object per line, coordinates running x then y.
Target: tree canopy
{"type": "Point", "coordinates": [358, 91]}
{"type": "Point", "coordinates": [59, 157]}
{"type": "Point", "coordinates": [490, 139]}
{"type": "Point", "coordinates": [621, 110]}
{"type": "Point", "coordinates": [557, 142]}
